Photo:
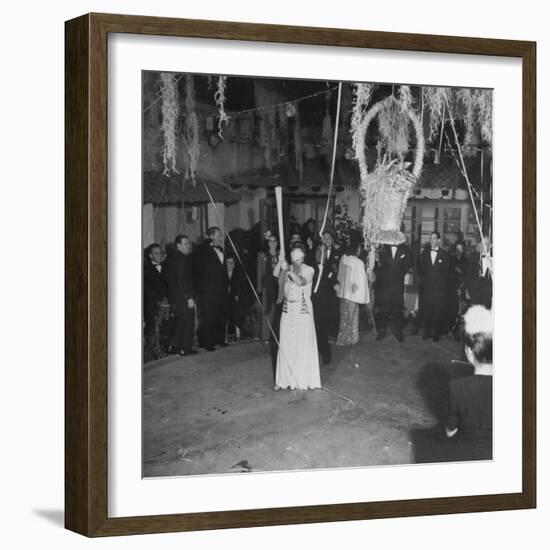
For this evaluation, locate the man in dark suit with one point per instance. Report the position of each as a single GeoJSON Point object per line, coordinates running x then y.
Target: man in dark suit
{"type": "Point", "coordinates": [325, 302]}
{"type": "Point", "coordinates": [181, 295]}
{"type": "Point", "coordinates": [434, 273]}
{"type": "Point", "coordinates": [154, 291]}
{"type": "Point", "coordinates": [393, 263]}
{"type": "Point", "coordinates": [213, 283]}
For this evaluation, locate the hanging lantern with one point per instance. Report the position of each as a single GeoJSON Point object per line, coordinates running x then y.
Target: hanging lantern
{"type": "Point", "coordinates": [290, 110]}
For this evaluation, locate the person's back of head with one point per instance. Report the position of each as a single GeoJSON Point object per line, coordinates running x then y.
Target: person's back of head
{"type": "Point", "coordinates": [478, 334]}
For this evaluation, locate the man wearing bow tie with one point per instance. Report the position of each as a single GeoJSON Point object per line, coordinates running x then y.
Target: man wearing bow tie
{"type": "Point", "coordinates": [212, 283]}
{"type": "Point", "coordinates": [181, 295]}
{"type": "Point", "coordinates": [325, 302]}
{"type": "Point", "coordinates": [434, 273]}
{"type": "Point", "coordinates": [393, 263]}
{"type": "Point", "coordinates": [154, 289]}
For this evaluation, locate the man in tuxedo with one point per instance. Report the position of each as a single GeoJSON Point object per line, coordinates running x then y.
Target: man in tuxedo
{"type": "Point", "coordinates": [154, 290]}
{"type": "Point", "coordinates": [325, 302]}
{"type": "Point", "coordinates": [434, 273]}
{"type": "Point", "coordinates": [393, 263]}
{"type": "Point", "coordinates": [181, 295]}
{"type": "Point", "coordinates": [213, 283]}
{"type": "Point", "coordinates": [479, 276]}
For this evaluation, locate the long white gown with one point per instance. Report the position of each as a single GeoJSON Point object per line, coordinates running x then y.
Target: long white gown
{"type": "Point", "coordinates": [298, 359]}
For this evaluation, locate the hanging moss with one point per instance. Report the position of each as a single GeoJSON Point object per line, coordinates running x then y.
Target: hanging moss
{"type": "Point", "coordinates": [475, 106]}
{"type": "Point", "coordinates": [434, 101]}
{"type": "Point", "coordinates": [190, 131]}
{"type": "Point", "coordinates": [219, 98]}
{"type": "Point", "coordinates": [170, 113]}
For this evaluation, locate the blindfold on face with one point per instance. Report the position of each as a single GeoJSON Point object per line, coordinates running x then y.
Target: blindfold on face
{"type": "Point", "coordinates": [296, 254]}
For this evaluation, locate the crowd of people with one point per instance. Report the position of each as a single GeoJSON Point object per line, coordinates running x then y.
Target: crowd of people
{"type": "Point", "coordinates": [309, 297]}
{"type": "Point", "coordinates": [208, 296]}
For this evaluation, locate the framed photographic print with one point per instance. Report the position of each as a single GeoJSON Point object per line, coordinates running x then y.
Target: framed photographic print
{"type": "Point", "coordinates": [300, 275]}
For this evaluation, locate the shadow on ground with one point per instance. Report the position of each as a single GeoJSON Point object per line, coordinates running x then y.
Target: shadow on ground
{"type": "Point", "coordinates": [431, 444]}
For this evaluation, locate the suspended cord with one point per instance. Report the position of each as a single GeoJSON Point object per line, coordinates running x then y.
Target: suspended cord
{"type": "Point", "coordinates": [455, 158]}
{"type": "Point", "coordinates": [329, 196]}
{"type": "Point", "coordinates": [465, 174]}
{"type": "Point", "coordinates": [253, 109]}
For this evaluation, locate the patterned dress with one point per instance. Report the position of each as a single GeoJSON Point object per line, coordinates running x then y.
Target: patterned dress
{"type": "Point", "coordinates": [353, 290]}
{"type": "Point", "coordinates": [348, 335]}
{"type": "Point", "coordinates": [298, 360]}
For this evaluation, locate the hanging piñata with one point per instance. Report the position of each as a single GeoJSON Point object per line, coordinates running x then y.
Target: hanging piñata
{"type": "Point", "coordinates": [385, 190]}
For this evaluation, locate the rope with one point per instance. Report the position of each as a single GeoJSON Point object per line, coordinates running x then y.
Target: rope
{"type": "Point", "coordinates": [486, 204]}
{"type": "Point", "coordinates": [341, 396]}
{"type": "Point", "coordinates": [253, 109]}
{"type": "Point", "coordinates": [465, 174]}
{"type": "Point", "coordinates": [282, 103]}
{"type": "Point", "coordinates": [329, 196]}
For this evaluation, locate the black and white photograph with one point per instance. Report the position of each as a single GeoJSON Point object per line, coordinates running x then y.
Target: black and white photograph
{"type": "Point", "coordinates": [317, 274]}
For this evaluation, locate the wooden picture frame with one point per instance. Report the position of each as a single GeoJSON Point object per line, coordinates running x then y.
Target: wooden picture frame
{"type": "Point", "coordinates": [86, 221]}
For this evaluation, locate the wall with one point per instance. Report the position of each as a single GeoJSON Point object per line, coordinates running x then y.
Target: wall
{"type": "Point", "coordinates": [249, 207]}
{"type": "Point", "coordinates": [161, 224]}
{"type": "Point", "coordinates": [32, 355]}
{"type": "Point", "coordinates": [238, 152]}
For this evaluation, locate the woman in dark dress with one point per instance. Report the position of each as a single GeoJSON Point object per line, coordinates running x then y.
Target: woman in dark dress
{"type": "Point", "coordinates": [309, 237]}
{"type": "Point", "coordinates": [236, 299]}
{"type": "Point", "coordinates": [470, 420]}
{"type": "Point", "coordinates": [459, 268]}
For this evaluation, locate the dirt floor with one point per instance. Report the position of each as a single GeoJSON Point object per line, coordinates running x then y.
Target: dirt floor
{"type": "Point", "coordinates": [381, 403]}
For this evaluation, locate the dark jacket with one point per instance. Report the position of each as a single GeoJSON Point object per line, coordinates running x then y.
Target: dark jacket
{"type": "Point", "coordinates": [154, 288]}
{"type": "Point", "coordinates": [179, 278]}
{"type": "Point", "coordinates": [390, 274]}
{"type": "Point", "coordinates": [329, 277]}
{"type": "Point", "coordinates": [211, 274]}
{"type": "Point", "coordinates": [434, 278]}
